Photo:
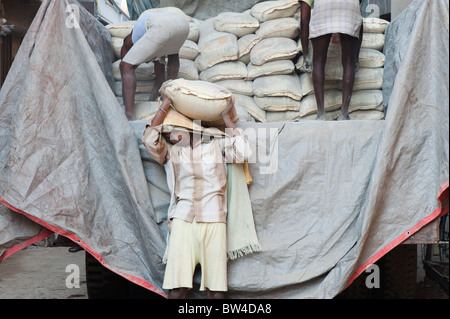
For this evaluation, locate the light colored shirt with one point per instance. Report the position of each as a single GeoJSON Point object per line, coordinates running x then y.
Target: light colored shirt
{"type": "Point", "coordinates": [197, 176]}
{"type": "Point", "coordinates": [140, 28]}
{"type": "Point", "coordinates": [309, 2]}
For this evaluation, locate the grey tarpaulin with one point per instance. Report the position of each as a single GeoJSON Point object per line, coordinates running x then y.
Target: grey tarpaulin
{"type": "Point", "coordinates": [205, 9]}
{"type": "Point", "coordinates": [136, 7]}
{"type": "Point", "coordinates": [329, 198]}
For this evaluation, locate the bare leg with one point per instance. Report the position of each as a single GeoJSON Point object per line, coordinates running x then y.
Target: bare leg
{"type": "Point", "coordinates": [128, 75]}
{"type": "Point", "coordinates": [361, 32]}
{"type": "Point", "coordinates": [304, 35]}
{"type": "Point", "coordinates": [178, 293]}
{"type": "Point", "coordinates": [320, 47]}
{"type": "Point", "coordinates": [173, 66]}
{"type": "Point", "coordinates": [349, 46]}
{"type": "Point", "coordinates": [215, 294]}
{"type": "Point", "coordinates": [160, 72]}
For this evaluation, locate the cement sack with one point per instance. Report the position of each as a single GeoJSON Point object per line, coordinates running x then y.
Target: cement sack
{"type": "Point", "coordinates": [277, 103]}
{"type": "Point", "coordinates": [239, 24]}
{"type": "Point", "coordinates": [166, 9]}
{"type": "Point", "coordinates": [270, 68]}
{"type": "Point", "coordinates": [144, 72]}
{"type": "Point", "coordinates": [278, 85]}
{"type": "Point", "coordinates": [246, 44]}
{"type": "Point", "coordinates": [282, 116]}
{"type": "Point", "coordinates": [269, 10]}
{"type": "Point", "coordinates": [238, 86]}
{"type": "Point", "coordinates": [329, 116]}
{"type": "Point", "coordinates": [368, 79]}
{"type": "Point", "coordinates": [243, 114]}
{"type": "Point", "coordinates": [120, 29]}
{"type": "Point", "coordinates": [188, 70]}
{"type": "Point", "coordinates": [116, 46]}
{"type": "Point", "coordinates": [249, 104]}
{"type": "Point", "coordinates": [198, 100]}
{"type": "Point", "coordinates": [189, 50]}
{"type": "Point", "coordinates": [375, 25]}
{"type": "Point", "coordinates": [141, 87]}
{"type": "Point", "coordinates": [332, 101]}
{"type": "Point", "coordinates": [370, 58]}
{"type": "Point", "coordinates": [367, 115]}
{"type": "Point", "coordinates": [230, 70]}
{"type": "Point", "coordinates": [366, 100]}
{"type": "Point", "coordinates": [284, 28]}
{"type": "Point", "coordinates": [194, 30]}
{"type": "Point", "coordinates": [373, 41]}
{"type": "Point", "coordinates": [215, 47]}
{"type": "Point", "coordinates": [146, 110]}
{"type": "Point", "coordinates": [307, 84]}
{"type": "Point", "coordinates": [273, 49]}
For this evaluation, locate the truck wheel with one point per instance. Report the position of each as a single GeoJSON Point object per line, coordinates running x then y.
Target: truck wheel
{"type": "Point", "coordinates": [102, 283]}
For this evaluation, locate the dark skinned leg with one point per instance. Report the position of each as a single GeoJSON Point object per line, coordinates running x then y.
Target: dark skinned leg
{"type": "Point", "coordinates": [160, 73]}
{"type": "Point", "coordinates": [361, 32]}
{"type": "Point", "coordinates": [304, 35]}
{"type": "Point", "coordinates": [349, 47]}
{"type": "Point", "coordinates": [215, 294]}
{"type": "Point", "coordinates": [320, 48]}
{"type": "Point", "coordinates": [128, 88]}
{"type": "Point", "coordinates": [173, 66]}
{"type": "Point", "coordinates": [178, 293]}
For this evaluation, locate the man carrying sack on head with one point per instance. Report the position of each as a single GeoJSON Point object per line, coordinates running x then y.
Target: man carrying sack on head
{"type": "Point", "coordinates": [154, 36]}
{"type": "Point", "coordinates": [195, 161]}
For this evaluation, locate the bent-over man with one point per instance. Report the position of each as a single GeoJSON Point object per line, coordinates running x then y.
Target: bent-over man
{"type": "Point", "coordinates": [154, 36]}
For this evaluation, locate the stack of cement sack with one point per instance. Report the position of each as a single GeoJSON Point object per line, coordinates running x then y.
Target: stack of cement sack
{"type": "Point", "coordinates": [257, 55]}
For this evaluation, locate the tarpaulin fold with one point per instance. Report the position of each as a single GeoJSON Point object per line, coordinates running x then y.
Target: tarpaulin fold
{"type": "Point", "coordinates": [329, 198]}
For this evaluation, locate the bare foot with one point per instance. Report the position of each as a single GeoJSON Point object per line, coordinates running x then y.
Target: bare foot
{"type": "Point", "coordinates": [130, 116]}
{"type": "Point", "coordinates": [344, 117]}
{"type": "Point", "coordinates": [321, 117]}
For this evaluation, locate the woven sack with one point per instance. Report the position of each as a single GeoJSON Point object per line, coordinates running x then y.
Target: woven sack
{"type": "Point", "coordinates": [239, 24]}
{"type": "Point", "coordinates": [249, 104]}
{"type": "Point", "coordinates": [283, 27]}
{"type": "Point", "coordinates": [278, 85]}
{"type": "Point", "coordinates": [273, 49]}
{"type": "Point", "coordinates": [269, 10]}
{"type": "Point", "coordinates": [189, 50]}
{"type": "Point", "coordinates": [120, 29]}
{"type": "Point", "coordinates": [375, 25]}
{"type": "Point", "coordinates": [229, 70]}
{"type": "Point", "coordinates": [270, 68]}
{"type": "Point", "coordinates": [277, 103]}
{"type": "Point", "coordinates": [215, 47]}
{"type": "Point", "coordinates": [198, 100]}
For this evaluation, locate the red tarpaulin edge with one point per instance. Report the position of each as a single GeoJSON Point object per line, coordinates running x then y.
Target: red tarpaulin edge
{"type": "Point", "coordinates": [440, 211]}
{"type": "Point", "coordinates": [54, 229]}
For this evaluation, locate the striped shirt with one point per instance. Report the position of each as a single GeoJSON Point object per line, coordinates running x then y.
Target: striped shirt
{"type": "Point", "coordinates": [335, 16]}
{"type": "Point", "coordinates": [197, 176]}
